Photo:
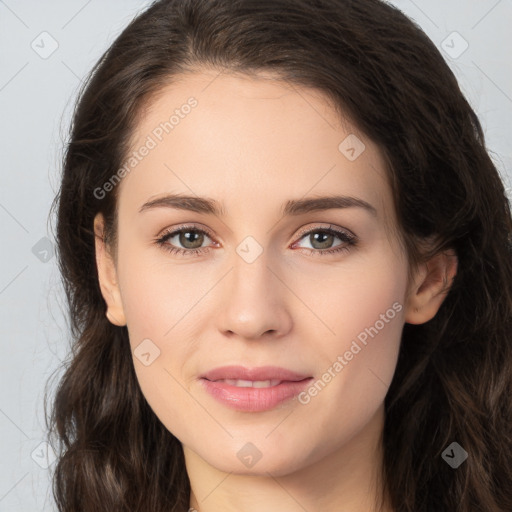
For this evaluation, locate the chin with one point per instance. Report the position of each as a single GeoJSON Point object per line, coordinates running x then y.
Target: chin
{"type": "Point", "coordinates": [247, 459]}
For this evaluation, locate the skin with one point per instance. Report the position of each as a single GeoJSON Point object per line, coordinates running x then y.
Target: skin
{"type": "Point", "coordinates": [253, 143]}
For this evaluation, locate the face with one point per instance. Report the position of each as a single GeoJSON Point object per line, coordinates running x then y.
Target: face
{"type": "Point", "coordinates": [271, 278]}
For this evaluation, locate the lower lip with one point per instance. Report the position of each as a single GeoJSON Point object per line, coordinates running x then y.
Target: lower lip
{"type": "Point", "coordinates": [254, 399]}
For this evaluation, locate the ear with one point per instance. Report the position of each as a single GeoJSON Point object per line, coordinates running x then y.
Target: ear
{"type": "Point", "coordinates": [107, 275]}
{"type": "Point", "coordinates": [431, 284]}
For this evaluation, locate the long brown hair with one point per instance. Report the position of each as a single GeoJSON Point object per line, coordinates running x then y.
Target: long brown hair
{"type": "Point", "coordinates": [453, 381]}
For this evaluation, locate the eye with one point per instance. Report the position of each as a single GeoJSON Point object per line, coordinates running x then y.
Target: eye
{"type": "Point", "coordinates": [190, 237]}
{"type": "Point", "coordinates": [321, 240]}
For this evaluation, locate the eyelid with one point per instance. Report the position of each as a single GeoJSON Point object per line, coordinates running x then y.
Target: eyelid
{"type": "Point", "coordinates": [302, 232]}
{"type": "Point", "coordinates": [329, 227]}
{"type": "Point", "coordinates": [183, 227]}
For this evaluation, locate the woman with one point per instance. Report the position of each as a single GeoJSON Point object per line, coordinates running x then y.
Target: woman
{"type": "Point", "coordinates": [220, 363]}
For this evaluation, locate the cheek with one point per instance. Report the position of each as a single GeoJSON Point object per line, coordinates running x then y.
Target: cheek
{"type": "Point", "coordinates": [362, 300]}
{"type": "Point", "coordinates": [158, 301]}
{"type": "Point", "coordinates": [162, 348]}
{"type": "Point", "coordinates": [365, 310]}
{"type": "Point", "coordinates": [158, 295]}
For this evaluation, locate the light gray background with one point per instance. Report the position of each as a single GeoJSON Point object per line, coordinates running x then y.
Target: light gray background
{"type": "Point", "coordinates": [37, 91]}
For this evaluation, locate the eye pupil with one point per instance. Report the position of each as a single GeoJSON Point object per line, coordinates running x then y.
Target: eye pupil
{"type": "Point", "coordinates": [187, 237]}
{"type": "Point", "coordinates": [325, 244]}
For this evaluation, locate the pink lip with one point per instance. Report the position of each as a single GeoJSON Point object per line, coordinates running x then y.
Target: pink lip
{"type": "Point", "coordinates": [253, 399]}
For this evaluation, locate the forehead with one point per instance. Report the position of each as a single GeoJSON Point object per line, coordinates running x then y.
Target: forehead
{"type": "Point", "coordinates": [249, 141]}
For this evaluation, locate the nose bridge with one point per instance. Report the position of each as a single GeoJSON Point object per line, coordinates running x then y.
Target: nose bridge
{"type": "Point", "coordinates": [254, 300]}
{"type": "Point", "coordinates": [251, 278]}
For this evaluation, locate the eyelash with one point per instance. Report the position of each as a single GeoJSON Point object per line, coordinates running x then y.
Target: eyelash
{"type": "Point", "coordinates": [349, 239]}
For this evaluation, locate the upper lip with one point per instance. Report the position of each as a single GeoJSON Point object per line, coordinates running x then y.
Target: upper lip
{"type": "Point", "coordinates": [261, 373]}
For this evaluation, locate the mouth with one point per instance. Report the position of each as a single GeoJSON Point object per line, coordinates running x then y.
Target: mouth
{"type": "Point", "coordinates": [262, 374]}
{"type": "Point", "coordinates": [253, 390]}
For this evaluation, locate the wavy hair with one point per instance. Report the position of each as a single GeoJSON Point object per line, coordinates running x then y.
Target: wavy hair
{"type": "Point", "coordinates": [453, 380]}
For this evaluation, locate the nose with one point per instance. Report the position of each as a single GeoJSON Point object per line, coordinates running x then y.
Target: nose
{"type": "Point", "coordinates": [255, 301]}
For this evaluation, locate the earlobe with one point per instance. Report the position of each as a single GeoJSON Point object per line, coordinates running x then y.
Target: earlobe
{"type": "Point", "coordinates": [432, 283]}
{"type": "Point", "coordinates": [107, 275]}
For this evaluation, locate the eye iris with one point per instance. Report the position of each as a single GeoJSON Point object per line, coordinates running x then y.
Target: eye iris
{"type": "Point", "coordinates": [324, 244]}
{"type": "Point", "coordinates": [186, 236]}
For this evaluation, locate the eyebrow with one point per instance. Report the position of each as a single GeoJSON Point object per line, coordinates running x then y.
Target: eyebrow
{"type": "Point", "coordinates": [291, 207]}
